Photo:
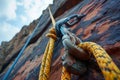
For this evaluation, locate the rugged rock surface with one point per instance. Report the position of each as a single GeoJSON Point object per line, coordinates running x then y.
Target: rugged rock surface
{"type": "Point", "coordinates": [101, 25]}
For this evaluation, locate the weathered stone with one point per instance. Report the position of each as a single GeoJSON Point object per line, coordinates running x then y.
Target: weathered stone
{"type": "Point", "coordinates": [101, 25]}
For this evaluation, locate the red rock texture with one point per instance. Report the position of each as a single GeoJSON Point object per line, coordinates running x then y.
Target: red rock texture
{"type": "Point", "coordinates": [27, 67]}
{"type": "Point", "coordinates": [100, 25]}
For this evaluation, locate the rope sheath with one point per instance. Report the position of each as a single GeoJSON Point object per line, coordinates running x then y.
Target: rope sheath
{"type": "Point", "coordinates": [107, 66]}
{"type": "Point", "coordinates": [46, 61]}
{"type": "Point", "coordinates": [43, 63]}
{"type": "Point", "coordinates": [65, 74]}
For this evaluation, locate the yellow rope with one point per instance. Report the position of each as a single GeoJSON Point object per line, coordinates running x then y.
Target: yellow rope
{"type": "Point", "coordinates": [43, 63]}
{"type": "Point", "coordinates": [46, 61]}
{"type": "Point", "coordinates": [52, 18]}
{"type": "Point", "coordinates": [65, 74]}
{"type": "Point", "coordinates": [107, 66]}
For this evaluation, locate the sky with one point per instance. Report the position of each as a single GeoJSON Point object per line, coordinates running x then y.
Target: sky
{"type": "Point", "coordinates": [14, 14]}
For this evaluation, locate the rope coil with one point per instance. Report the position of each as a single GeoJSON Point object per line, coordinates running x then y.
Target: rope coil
{"type": "Point", "coordinates": [52, 33]}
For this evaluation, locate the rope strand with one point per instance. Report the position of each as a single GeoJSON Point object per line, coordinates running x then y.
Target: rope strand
{"type": "Point", "coordinates": [45, 66]}
{"type": "Point", "coordinates": [65, 74]}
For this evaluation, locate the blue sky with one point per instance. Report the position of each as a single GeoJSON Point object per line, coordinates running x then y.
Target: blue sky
{"type": "Point", "coordinates": [14, 14]}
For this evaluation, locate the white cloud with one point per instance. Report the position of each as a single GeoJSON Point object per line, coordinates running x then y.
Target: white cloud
{"type": "Point", "coordinates": [34, 8]}
{"type": "Point", "coordinates": [23, 19]}
{"type": "Point", "coordinates": [29, 10]}
{"type": "Point", "coordinates": [7, 9]}
{"type": "Point", "coordinates": [7, 31]}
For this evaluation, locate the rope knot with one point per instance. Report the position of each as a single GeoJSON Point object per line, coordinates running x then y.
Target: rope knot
{"type": "Point", "coordinates": [52, 33]}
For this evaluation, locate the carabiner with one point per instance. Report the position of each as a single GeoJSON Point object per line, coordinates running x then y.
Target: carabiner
{"type": "Point", "coordinates": [67, 22]}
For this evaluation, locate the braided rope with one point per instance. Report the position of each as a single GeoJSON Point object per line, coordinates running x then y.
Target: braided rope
{"type": "Point", "coordinates": [43, 63]}
{"type": "Point", "coordinates": [107, 66]}
{"type": "Point", "coordinates": [46, 61]}
{"type": "Point", "coordinates": [65, 74]}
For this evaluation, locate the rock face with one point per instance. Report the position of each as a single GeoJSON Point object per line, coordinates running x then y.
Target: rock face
{"type": "Point", "coordinates": [100, 25]}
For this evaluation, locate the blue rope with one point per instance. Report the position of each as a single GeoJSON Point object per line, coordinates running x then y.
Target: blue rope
{"type": "Point", "coordinates": [20, 53]}
{"type": "Point", "coordinates": [62, 30]}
